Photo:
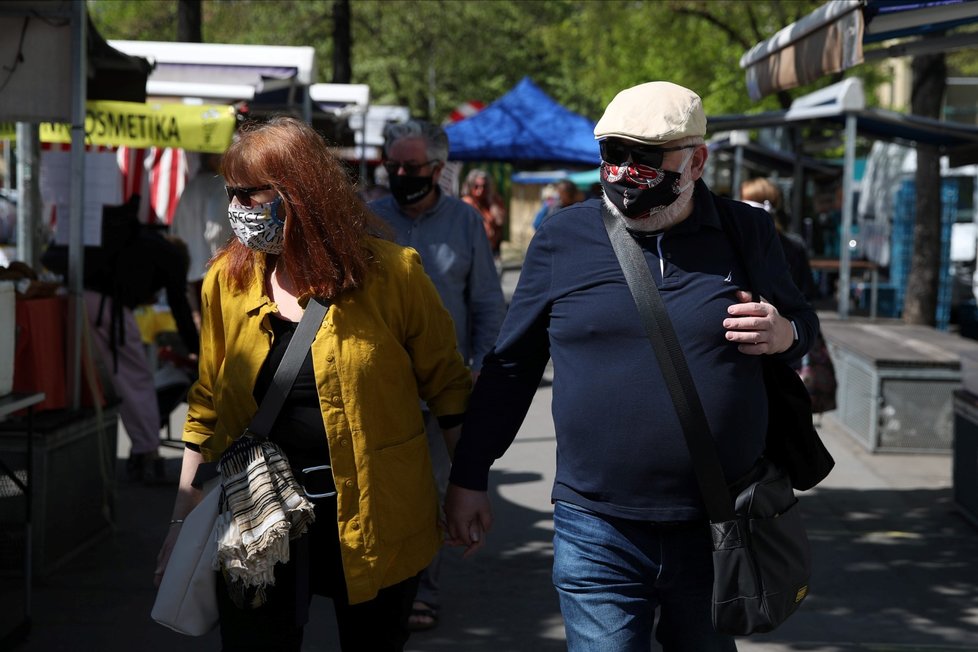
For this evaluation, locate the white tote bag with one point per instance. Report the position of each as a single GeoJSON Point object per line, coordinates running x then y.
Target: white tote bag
{"type": "Point", "coordinates": [187, 598]}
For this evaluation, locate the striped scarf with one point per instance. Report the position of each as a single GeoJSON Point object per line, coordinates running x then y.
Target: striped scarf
{"type": "Point", "coordinates": [262, 509]}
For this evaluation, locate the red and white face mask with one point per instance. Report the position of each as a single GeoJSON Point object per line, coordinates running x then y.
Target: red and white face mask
{"type": "Point", "coordinates": [639, 191]}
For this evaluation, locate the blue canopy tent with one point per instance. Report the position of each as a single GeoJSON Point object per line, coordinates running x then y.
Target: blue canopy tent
{"type": "Point", "coordinates": [524, 126]}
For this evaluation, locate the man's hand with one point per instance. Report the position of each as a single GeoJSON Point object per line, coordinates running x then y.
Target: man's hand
{"type": "Point", "coordinates": [757, 327]}
{"type": "Point", "coordinates": [468, 518]}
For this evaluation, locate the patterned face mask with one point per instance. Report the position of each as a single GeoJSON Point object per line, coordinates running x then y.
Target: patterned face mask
{"type": "Point", "coordinates": [639, 191]}
{"type": "Point", "coordinates": [260, 227]}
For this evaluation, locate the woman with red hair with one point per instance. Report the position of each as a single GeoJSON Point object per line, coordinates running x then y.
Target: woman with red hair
{"type": "Point", "coordinates": [353, 411]}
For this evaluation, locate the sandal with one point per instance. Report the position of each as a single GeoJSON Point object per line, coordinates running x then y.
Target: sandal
{"type": "Point", "coordinates": [423, 617]}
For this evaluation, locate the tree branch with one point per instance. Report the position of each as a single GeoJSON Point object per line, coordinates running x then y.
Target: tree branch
{"type": "Point", "coordinates": [702, 14]}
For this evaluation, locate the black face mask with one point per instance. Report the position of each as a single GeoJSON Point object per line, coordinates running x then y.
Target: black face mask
{"type": "Point", "coordinates": [640, 200]}
{"type": "Point", "coordinates": [410, 190]}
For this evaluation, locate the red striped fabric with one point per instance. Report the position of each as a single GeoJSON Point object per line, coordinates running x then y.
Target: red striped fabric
{"type": "Point", "coordinates": [157, 174]}
{"type": "Point", "coordinates": [466, 110]}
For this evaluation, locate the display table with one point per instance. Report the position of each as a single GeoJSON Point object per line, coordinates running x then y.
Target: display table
{"type": "Point", "coordinates": [72, 470]}
{"type": "Point", "coordinates": [896, 382]}
{"type": "Point", "coordinates": [829, 266]}
{"type": "Point", "coordinates": [40, 353]}
{"type": "Point", "coordinates": [964, 472]}
{"type": "Point", "coordinates": [17, 481]}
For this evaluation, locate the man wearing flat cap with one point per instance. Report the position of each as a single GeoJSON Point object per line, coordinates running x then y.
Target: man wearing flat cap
{"type": "Point", "coordinates": [632, 548]}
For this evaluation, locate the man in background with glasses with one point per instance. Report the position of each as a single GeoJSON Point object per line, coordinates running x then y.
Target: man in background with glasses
{"type": "Point", "coordinates": [632, 545]}
{"type": "Point", "coordinates": [449, 236]}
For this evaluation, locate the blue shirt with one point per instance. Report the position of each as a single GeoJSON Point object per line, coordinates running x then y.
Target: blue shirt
{"type": "Point", "coordinates": [620, 447]}
{"type": "Point", "coordinates": [455, 253]}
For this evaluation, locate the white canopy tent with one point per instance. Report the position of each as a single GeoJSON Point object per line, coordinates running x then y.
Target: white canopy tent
{"type": "Point", "coordinates": [226, 73]}
{"type": "Point", "coordinates": [349, 102]}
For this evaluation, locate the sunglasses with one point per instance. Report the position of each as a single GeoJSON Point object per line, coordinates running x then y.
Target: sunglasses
{"type": "Point", "coordinates": [410, 169]}
{"type": "Point", "coordinates": [617, 152]}
{"type": "Point", "coordinates": [244, 194]}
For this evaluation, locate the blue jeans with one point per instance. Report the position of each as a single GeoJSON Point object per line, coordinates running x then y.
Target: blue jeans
{"type": "Point", "coordinates": [612, 574]}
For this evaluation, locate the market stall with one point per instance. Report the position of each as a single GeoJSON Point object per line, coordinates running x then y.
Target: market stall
{"type": "Point", "coordinates": [78, 96]}
{"type": "Point", "coordinates": [48, 45]}
{"type": "Point", "coordinates": [842, 107]}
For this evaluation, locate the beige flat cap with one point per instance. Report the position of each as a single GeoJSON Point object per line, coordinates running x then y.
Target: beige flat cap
{"type": "Point", "coordinates": [653, 113]}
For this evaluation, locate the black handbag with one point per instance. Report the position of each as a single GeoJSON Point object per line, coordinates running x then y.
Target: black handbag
{"type": "Point", "coordinates": [792, 441]}
{"type": "Point", "coordinates": [761, 555]}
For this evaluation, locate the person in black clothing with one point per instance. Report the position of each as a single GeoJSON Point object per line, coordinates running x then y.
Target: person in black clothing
{"type": "Point", "coordinates": [762, 193]}
{"type": "Point", "coordinates": [816, 368]}
{"type": "Point", "coordinates": [133, 263]}
{"type": "Point", "coordinates": [632, 544]}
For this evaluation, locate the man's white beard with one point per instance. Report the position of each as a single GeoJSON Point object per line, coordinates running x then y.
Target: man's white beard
{"type": "Point", "coordinates": [669, 216]}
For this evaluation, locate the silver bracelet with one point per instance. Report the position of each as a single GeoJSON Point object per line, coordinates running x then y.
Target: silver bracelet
{"type": "Point", "coordinates": [175, 521]}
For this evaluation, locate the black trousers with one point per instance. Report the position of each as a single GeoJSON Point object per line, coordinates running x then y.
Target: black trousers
{"type": "Point", "coordinates": [379, 625]}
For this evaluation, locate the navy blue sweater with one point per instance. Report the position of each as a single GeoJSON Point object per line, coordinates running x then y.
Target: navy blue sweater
{"type": "Point", "coordinates": [620, 448]}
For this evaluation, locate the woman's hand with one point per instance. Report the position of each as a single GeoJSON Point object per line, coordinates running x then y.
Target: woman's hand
{"type": "Point", "coordinates": [187, 499]}
{"type": "Point", "coordinates": [164, 557]}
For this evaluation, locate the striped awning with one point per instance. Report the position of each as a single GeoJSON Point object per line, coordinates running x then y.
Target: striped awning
{"type": "Point", "coordinates": [831, 39]}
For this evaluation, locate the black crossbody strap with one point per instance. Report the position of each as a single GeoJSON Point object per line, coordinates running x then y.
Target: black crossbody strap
{"type": "Point", "coordinates": [312, 318]}
{"type": "Point", "coordinates": [672, 362]}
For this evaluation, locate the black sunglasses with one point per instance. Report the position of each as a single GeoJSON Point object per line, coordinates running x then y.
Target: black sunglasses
{"type": "Point", "coordinates": [244, 194]}
{"type": "Point", "coordinates": [410, 169]}
{"type": "Point", "coordinates": [617, 152]}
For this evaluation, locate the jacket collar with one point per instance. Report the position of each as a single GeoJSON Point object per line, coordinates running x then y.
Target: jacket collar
{"type": "Point", "coordinates": [704, 211]}
{"type": "Point", "coordinates": [255, 296]}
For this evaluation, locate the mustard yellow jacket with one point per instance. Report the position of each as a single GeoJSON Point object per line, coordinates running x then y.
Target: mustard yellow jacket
{"type": "Point", "coordinates": [380, 348]}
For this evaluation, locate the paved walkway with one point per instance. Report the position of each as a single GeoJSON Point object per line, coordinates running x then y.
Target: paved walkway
{"type": "Point", "coordinates": [895, 566]}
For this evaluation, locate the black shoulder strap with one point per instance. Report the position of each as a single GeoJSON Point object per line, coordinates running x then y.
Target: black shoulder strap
{"type": "Point", "coordinates": [261, 424]}
{"type": "Point", "coordinates": [672, 362]}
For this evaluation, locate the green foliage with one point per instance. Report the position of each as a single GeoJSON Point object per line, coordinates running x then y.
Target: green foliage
{"type": "Point", "coordinates": [151, 20]}
{"type": "Point", "coordinates": [964, 62]}
{"type": "Point", "coordinates": [431, 55]}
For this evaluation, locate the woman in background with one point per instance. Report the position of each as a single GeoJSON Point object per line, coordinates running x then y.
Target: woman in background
{"type": "Point", "coordinates": [815, 368]}
{"type": "Point", "coordinates": [762, 193]}
{"type": "Point", "coordinates": [479, 192]}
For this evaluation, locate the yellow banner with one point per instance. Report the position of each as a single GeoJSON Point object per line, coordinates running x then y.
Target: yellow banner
{"type": "Point", "coordinates": [201, 128]}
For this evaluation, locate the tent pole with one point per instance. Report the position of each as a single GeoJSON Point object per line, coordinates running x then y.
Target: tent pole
{"type": "Point", "coordinates": [738, 175]}
{"type": "Point", "coordinates": [846, 229]}
{"type": "Point", "coordinates": [363, 147]}
{"type": "Point", "coordinates": [306, 105]}
{"type": "Point", "coordinates": [29, 194]}
{"type": "Point", "coordinates": [76, 210]}
{"type": "Point", "coordinates": [797, 185]}
{"type": "Point", "coordinates": [7, 163]}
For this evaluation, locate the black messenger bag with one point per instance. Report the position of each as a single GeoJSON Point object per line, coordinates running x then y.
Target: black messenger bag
{"type": "Point", "coordinates": [761, 555]}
